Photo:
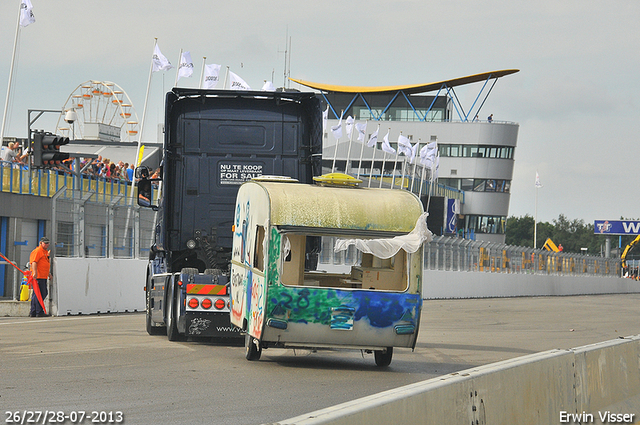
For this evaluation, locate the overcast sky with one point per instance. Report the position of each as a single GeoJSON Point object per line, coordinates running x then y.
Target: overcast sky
{"type": "Point", "coordinates": [576, 97]}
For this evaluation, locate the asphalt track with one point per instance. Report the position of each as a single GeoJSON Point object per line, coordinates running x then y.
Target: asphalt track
{"type": "Point", "coordinates": [108, 363]}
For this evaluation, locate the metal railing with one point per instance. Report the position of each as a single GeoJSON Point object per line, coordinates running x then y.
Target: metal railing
{"type": "Point", "coordinates": [91, 216]}
{"type": "Point", "coordinates": [465, 255]}
{"type": "Point", "coordinates": [96, 217]}
{"type": "Point", "coordinates": [457, 254]}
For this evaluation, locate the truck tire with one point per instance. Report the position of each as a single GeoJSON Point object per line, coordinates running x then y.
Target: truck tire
{"type": "Point", "coordinates": [383, 358]}
{"type": "Point", "coordinates": [151, 330]}
{"type": "Point", "coordinates": [189, 270]}
{"type": "Point", "coordinates": [252, 348]}
{"type": "Point", "coordinates": [172, 318]}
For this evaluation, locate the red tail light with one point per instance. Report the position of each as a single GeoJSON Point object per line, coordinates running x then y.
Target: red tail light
{"type": "Point", "coordinates": [193, 303]}
{"type": "Point", "coordinates": [220, 304]}
{"type": "Point", "coordinates": [206, 304]}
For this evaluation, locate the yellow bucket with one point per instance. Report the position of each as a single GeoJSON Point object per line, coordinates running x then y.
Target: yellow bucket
{"type": "Point", "coordinates": [24, 292]}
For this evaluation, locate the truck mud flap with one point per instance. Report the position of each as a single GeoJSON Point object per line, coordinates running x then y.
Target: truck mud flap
{"type": "Point", "coordinates": [211, 325]}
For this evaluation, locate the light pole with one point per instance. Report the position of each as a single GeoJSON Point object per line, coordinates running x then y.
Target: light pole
{"type": "Point", "coordinates": [535, 218]}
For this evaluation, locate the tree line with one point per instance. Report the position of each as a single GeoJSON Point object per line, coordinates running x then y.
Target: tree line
{"type": "Point", "coordinates": [573, 235]}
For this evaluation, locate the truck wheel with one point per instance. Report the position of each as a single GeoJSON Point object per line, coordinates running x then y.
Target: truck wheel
{"type": "Point", "coordinates": [383, 358]}
{"type": "Point", "coordinates": [172, 321]}
{"type": "Point", "coordinates": [213, 272]}
{"type": "Point", "coordinates": [152, 330]}
{"type": "Point", "coordinates": [252, 348]}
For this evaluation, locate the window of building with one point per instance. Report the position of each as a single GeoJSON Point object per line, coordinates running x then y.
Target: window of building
{"type": "Point", "coordinates": [475, 151]}
{"type": "Point", "coordinates": [486, 224]}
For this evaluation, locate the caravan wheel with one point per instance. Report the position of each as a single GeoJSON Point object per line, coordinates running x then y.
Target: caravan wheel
{"type": "Point", "coordinates": [252, 348]}
{"type": "Point", "coordinates": [383, 357]}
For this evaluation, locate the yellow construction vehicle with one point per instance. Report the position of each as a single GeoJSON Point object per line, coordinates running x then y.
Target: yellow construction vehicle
{"type": "Point", "coordinates": [629, 247]}
{"type": "Point", "coordinates": [550, 246]}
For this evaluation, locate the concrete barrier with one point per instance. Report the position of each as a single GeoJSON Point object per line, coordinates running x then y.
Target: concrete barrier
{"type": "Point", "coordinates": [599, 383]}
{"type": "Point", "coordinates": [452, 284]}
{"type": "Point", "coordinates": [97, 285]}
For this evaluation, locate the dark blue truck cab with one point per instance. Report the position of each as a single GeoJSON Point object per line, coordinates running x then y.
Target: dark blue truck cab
{"type": "Point", "coordinates": [214, 141]}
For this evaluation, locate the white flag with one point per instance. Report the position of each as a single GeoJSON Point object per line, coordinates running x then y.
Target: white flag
{"type": "Point", "coordinates": [26, 13]}
{"type": "Point", "coordinates": [350, 122]}
{"type": "Point", "coordinates": [386, 146]}
{"type": "Point", "coordinates": [337, 130]}
{"type": "Point", "coordinates": [186, 65]}
{"type": "Point", "coordinates": [538, 184]}
{"type": "Point", "coordinates": [405, 146]}
{"type": "Point", "coordinates": [268, 86]}
{"type": "Point", "coordinates": [160, 62]}
{"type": "Point", "coordinates": [237, 83]}
{"type": "Point", "coordinates": [373, 139]}
{"type": "Point", "coordinates": [211, 76]}
{"type": "Point", "coordinates": [428, 154]}
{"type": "Point", "coordinates": [414, 151]}
{"type": "Point", "coordinates": [361, 129]}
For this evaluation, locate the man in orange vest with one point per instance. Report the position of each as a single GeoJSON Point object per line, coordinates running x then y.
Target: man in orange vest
{"type": "Point", "coordinates": [41, 270]}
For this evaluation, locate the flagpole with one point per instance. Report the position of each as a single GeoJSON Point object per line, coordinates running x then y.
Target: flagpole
{"type": "Point", "coordinates": [362, 148]}
{"type": "Point", "coordinates": [146, 101]}
{"type": "Point", "coordinates": [535, 219]}
{"type": "Point", "coordinates": [178, 70]}
{"type": "Point", "coordinates": [404, 167]}
{"type": "Point", "coordinates": [204, 58]}
{"type": "Point", "coordinates": [224, 85]}
{"type": "Point", "coordinates": [346, 165]}
{"type": "Point", "coordinates": [430, 188]}
{"type": "Point", "coordinates": [138, 149]}
{"type": "Point", "coordinates": [335, 152]}
{"type": "Point", "coordinates": [373, 157]}
{"type": "Point", "coordinates": [384, 159]}
{"type": "Point", "coordinates": [395, 163]}
{"type": "Point", "coordinates": [413, 173]}
{"type": "Point", "coordinates": [535, 222]}
{"type": "Point", "coordinates": [422, 179]}
{"type": "Point", "coordinates": [13, 59]}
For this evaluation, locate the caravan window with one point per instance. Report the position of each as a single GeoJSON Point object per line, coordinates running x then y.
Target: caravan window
{"type": "Point", "coordinates": [349, 269]}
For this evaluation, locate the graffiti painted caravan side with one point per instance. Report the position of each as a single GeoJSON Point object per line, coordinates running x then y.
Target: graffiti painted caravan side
{"type": "Point", "coordinates": [372, 304]}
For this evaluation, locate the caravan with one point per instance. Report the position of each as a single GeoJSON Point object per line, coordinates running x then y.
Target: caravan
{"type": "Point", "coordinates": [282, 296]}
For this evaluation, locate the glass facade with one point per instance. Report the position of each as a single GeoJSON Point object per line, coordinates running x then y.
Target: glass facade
{"type": "Point", "coordinates": [388, 107]}
{"type": "Point", "coordinates": [476, 151]}
{"type": "Point", "coordinates": [485, 224]}
{"type": "Point", "coordinates": [478, 185]}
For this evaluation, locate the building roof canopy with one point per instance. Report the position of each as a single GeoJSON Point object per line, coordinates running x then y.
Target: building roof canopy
{"type": "Point", "coordinates": [408, 89]}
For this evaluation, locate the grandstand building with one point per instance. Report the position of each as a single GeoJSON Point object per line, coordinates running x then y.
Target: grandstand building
{"type": "Point", "coordinates": [476, 154]}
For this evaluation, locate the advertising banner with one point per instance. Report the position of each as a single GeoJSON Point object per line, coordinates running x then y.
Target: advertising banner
{"type": "Point", "coordinates": [616, 227]}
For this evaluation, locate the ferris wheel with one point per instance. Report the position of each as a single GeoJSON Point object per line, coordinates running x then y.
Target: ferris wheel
{"type": "Point", "coordinates": [103, 112]}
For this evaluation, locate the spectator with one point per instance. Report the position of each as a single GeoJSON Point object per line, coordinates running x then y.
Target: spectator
{"type": "Point", "coordinates": [490, 118]}
{"type": "Point", "coordinates": [12, 153]}
{"type": "Point", "coordinates": [41, 271]}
